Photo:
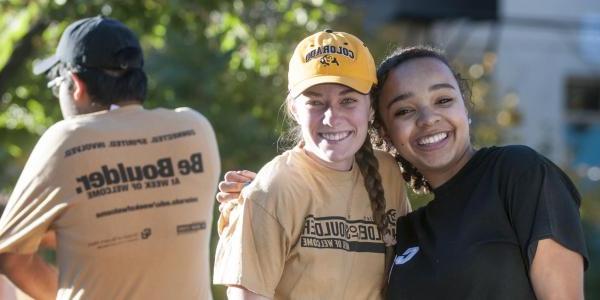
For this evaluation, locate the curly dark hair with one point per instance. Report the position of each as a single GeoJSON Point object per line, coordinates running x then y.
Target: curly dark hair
{"type": "Point", "coordinates": [411, 175]}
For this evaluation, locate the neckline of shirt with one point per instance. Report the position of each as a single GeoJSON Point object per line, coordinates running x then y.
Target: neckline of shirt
{"type": "Point", "coordinates": [464, 171]}
{"type": "Point", "coordinates": [126, 108]}
{"type": "Point", "coordinates": [334, 177]}
{"type": "Point", "coordinates": [109, 112]}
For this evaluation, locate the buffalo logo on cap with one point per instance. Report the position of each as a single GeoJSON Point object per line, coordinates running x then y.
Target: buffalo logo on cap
{"type": "Point", "coordinates": [328, 60]}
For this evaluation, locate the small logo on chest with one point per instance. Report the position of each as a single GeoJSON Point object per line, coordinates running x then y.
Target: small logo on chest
{"type": "Point", "coordinates": [406, 256]}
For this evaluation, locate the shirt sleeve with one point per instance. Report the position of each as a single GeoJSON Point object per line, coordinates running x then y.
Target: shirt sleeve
{"type": "Point", "coordinates": [393, 184]}
{"type": "Point", "coordinates": [36, 200]}
{"type": "Point", "coordinates": [252, 250]}
{"type": "Point", "coordinates": [543, 203]}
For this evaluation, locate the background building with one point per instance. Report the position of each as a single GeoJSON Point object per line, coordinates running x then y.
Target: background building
{"type": "Point", "coordinates": [535, 65]}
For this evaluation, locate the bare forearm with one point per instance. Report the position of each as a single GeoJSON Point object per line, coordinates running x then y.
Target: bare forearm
{"type": "Point", "coordinates": [556, 272]}
{"type": "Point", "coordinates": [31, 274]}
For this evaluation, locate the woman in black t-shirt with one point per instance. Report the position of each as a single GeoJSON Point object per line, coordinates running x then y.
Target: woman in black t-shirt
{"type": "Point", "coordinates": [504, 223]}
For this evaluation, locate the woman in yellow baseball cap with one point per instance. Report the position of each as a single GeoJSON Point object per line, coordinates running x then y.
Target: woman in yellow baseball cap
{"type": "Point", "coordinates": [312, 224]}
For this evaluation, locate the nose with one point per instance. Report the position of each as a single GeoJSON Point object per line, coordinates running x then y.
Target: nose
{"type": "Point", "coordinates": [331, 116]}
{"type": "Point", "coordinates": [427, 117]}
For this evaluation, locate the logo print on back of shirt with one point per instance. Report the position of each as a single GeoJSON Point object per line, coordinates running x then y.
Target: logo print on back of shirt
{"type": "Point", "coordinates": [406, 256]}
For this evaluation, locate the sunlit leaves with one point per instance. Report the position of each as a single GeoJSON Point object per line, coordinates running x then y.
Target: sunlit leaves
{"type": "Point", "coordinates": [227, 59]}
{"type": "Point", "coordinates": [249, 30]}
{"type": "Point", "coordinates": [13, 25]}
{"type": "Point", "coordinates": [32, 117]}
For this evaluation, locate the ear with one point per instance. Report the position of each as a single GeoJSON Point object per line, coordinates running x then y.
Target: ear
{"type": "Point", "coordinates": [79, 88]}
{"type": "Point", "coordinates": [384, 134]}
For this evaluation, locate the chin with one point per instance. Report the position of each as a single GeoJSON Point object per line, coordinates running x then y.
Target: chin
{"type": "Point", "coordinates": [438, 164]}
{"type": "Point", "coordinates": [336, 156]}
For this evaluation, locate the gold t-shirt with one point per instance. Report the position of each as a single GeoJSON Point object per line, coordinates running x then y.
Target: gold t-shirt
{"type": "Point", "coordinates": [303, 231]}
{"type": "Point", "coordinates": [129, 193]}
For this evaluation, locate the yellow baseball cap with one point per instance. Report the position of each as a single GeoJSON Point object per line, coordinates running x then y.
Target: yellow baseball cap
{"type": "Point", "coordinates": [331, 57]}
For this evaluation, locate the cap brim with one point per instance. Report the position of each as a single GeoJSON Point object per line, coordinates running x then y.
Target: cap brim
{"type": "Point", "coordinates": [362, 86]}
{"type": "Point", "coordinates": [44, 65]}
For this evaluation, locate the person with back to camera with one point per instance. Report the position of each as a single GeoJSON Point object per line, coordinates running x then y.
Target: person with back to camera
{"type": "Point", "coordinates": [312, 223]}
{"type": "Point", "coordinates": [504, 223]}
{"type": "Point", "coordinates": [126, 189]}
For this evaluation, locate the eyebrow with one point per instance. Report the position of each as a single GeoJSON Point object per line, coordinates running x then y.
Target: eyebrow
{"type": "Point", "coordinates": [434, 87]}
{"type": "Point", "coordinates": [343, 92]}
{"type": "Point", "coordinates": [310, 93]}
{"type": "Point", "coordinates": [438, 86]}
{"type": "Point", "coordinates": [399, 98]}
{"type": "Point", "coordinates": [348, 91]}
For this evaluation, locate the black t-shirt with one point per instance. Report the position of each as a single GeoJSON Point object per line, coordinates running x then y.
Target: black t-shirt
{"type": "Point", "coordinates": [477, 238]}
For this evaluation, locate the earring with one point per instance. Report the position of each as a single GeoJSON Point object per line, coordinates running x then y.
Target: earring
{"type": "Point", "coordinates": [470, 121]}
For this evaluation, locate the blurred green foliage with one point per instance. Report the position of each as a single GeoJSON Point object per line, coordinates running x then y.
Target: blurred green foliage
{"type": "Point", "coordinates": [226, 59]}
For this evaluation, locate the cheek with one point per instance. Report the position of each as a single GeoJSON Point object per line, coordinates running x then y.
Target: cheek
{"type": "Point", "coordinates": [398, 133]}
{"type": "Point", "coordinates": [305, 118]}
{"type": "Point", "coordinates": [362, 119]}
{"type": "Point", "coordinates": [461, 118]}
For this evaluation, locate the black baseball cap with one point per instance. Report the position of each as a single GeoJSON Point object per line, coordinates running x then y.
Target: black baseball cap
{"type": "Point", "coordinates": [97, 42]}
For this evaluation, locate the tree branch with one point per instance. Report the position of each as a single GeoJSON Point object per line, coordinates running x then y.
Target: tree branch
{"type": "Point", "coordinates": [22, 51]}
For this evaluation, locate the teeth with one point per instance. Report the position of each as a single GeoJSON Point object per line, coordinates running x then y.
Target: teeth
{"type": "Point", "coordinates": [334, 136]}
{"type": "Point", "coordinates": [432, 138]}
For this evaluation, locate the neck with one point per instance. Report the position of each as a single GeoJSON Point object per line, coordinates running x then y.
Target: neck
{"type": "Point", "coordinates": [438, 177]}
{"type": "Point", "coordinates": [345, 165]}
{"type": "Point", "coordinates": [127, 103]}
{"type": "Point", "coordinates": [123, 104]}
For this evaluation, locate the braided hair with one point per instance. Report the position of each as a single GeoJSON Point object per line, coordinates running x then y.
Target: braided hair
{"type": "Point", "coordinates": [412, 176]}
{"type": "Point", "coordinates": [369, 168]}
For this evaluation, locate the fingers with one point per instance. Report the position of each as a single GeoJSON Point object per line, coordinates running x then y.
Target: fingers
{"type": "Point", "coordinates": [248, 174]}
{"type": "Point", "coordinates": [239, 176]}
{"type": "Point", "coordinates": [231, 186]}
{"type": "Point", "coordinates": [234, 181]}
{"type": "Point", "coordinates": [226, 197]}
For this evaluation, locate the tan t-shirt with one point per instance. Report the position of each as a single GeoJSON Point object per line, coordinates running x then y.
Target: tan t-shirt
{"type": "Point", "coordinates": [129, 193]}
{"type": "Point", "coordinates": [304, 231]}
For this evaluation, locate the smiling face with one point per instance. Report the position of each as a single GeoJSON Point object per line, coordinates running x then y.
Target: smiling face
{"type": "Point", "coordinates": [333, 119]}
{"type": "Point", "coordinates": [424, 116]}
